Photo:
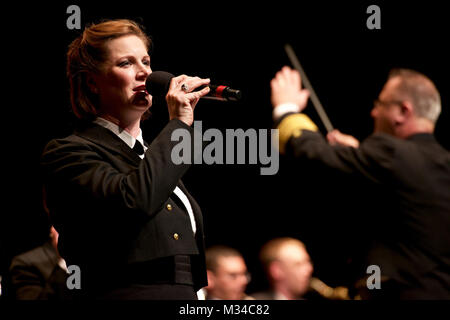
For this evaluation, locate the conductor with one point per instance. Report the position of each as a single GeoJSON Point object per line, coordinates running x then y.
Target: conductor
{"type": "Point", "coordinates": [407, 171]}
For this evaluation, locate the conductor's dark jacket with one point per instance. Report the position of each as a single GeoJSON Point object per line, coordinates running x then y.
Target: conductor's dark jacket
{"type": "Point", "coordinates": [409, 180]}
{"type": "Point", "coordinates": [114, 210]}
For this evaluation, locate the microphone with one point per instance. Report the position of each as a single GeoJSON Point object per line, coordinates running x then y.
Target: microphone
{"type": "Point", "coordinates": [158, 83]}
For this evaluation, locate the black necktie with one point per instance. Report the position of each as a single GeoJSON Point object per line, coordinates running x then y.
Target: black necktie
{"type": "Point", "coordinates": [138, 148]}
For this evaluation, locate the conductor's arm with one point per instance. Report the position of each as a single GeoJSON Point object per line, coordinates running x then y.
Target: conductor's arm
{"type": "Point", "coordinates": [299, 136]}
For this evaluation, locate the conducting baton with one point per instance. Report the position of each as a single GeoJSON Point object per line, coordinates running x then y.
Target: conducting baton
{"type": "Point", "coordinates": [315, 100]}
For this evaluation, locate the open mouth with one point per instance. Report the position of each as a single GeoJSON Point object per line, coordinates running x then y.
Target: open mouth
{"type": "Point", "coordinates": [141, 89]}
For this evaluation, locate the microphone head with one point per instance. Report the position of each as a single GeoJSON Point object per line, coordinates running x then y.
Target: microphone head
{"type": "Point", "coordinates": [158, 82]}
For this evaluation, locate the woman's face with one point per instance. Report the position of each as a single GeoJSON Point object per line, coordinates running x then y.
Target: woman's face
{"type": "Point", "coordinates": [121, 83]}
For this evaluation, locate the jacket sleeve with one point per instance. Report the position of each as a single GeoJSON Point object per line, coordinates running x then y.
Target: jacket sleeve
{"type": "Point", "coordinates": [26, 281]}
{"type": "Point", "coordinates": [373, 160]}
{"type": "Point", "coordinates": [75, 171]}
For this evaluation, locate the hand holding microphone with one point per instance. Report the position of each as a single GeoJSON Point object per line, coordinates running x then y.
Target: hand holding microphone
{"type": "Point", "coordinates": [181, 97]}
{"type": "Point", "coordinates": [183, 92]}
{"type": "Point", "coordinates": [158, 83]}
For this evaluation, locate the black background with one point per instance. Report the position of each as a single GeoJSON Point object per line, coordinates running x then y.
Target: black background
{"type": "Point", "coordinates": [239, 44]}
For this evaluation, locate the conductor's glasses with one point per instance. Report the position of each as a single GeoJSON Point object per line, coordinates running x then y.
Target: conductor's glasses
{"type": "Point", "coordinates": [378, 102]}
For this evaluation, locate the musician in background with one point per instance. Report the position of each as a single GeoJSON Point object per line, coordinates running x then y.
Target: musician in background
{"type": "Point", "coordinates": [41, 273]}
{"type": "Point", "coordinates": [289, 270]}
{"type": "Point", "coordinates": [405, 171]}
{"type": "Point", "coordinates": [228, 276]}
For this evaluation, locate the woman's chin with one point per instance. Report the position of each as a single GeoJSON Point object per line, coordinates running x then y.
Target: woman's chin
{"type": "Point", "coordinates": [143, 103]}
{"type": "Point", "coordinates": [142, 99]}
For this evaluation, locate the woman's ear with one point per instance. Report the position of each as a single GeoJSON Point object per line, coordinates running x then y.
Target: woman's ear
{"type": "Point", "coordinates": [92, 85]}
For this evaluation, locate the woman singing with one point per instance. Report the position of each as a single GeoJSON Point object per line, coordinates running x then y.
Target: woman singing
{"type": "Point", "coordinates": [124, 216]}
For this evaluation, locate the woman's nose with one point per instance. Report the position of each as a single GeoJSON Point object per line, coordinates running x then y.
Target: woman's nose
{"type": "Point", "coordinates": [143, 72]}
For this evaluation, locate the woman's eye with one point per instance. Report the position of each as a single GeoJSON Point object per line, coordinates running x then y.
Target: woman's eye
{"type": "Point", "coordinates": [124, 63]}
{"type": "Point", "coordinates": [146, 62]}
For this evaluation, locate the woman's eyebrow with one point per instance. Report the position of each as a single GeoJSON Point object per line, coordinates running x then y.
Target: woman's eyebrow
{"type": "Point", "coordinates": [131, 56]}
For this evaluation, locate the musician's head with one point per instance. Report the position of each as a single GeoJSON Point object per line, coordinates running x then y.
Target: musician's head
{"type": "Point", "coordinates": [288, 266]}
{"type": "Point", "coordinates": [408, 103]}
{"type": "Point", "coordinates": [227, 273]}
{"type": "Point", "coordinates": [105, 65]}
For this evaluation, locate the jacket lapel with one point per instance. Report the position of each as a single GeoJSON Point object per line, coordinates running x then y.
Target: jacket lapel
{"type": "Point", "coordinates": [107, 139]}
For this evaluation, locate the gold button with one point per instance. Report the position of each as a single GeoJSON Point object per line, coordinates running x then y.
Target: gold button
{"type": "Point", "coordinates": [169, 207]}
{"type": "Point", "coordinates": [176, 236]}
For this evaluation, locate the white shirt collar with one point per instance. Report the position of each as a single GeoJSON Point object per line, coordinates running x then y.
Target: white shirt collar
{"type": "Point", "coordinates": [121, 133]}
{"type": "Point", "coordinates": [279, 296]}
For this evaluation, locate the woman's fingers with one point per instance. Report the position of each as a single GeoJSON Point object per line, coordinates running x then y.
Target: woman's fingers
{"type": "Point", "coordinates": [193, 83]}
{"type": "Point", "coordinates": [183, 95]}
{"type": "Point", "coordinates": [176, 82]}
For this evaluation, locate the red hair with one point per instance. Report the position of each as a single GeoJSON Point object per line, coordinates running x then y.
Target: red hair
{"type": "Point", "coordinates": [87, 54]}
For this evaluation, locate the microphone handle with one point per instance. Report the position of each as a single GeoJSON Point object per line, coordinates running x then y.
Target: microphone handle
{"type": "Point", "coordinates": [221, 93]}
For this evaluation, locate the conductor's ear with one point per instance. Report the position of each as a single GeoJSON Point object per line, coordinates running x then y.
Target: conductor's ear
{"type": "Point", "coordinates": [407, 107]}
{"type": "Point", "coordinates": [406, 112]}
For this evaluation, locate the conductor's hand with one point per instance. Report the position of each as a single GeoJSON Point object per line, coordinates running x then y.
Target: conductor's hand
{"type": "Point", "coordinates": [182, 99]}
{"type": "Point", "coordinates": [335, 137]}
{"type": "Point", "coordinates": [287, 88]}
